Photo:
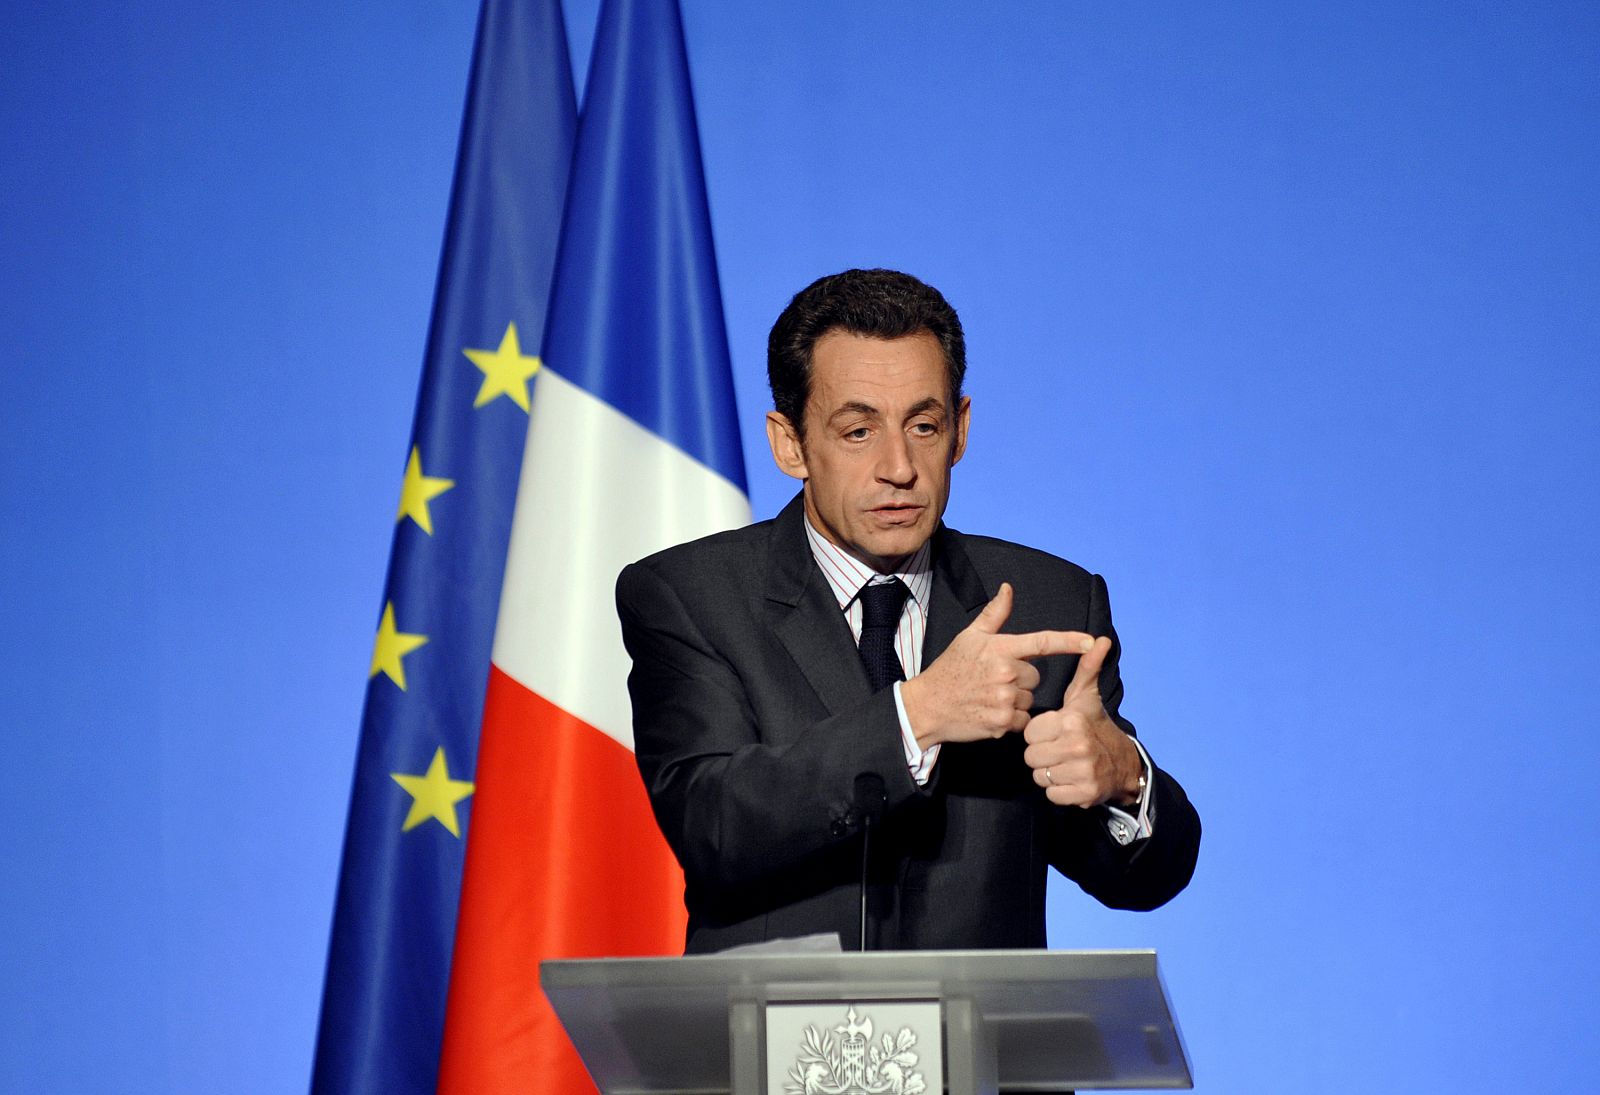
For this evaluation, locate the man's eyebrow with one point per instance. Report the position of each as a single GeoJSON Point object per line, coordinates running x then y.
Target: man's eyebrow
{"type": "Point", "coordinates": [931, 403]}
{"type": "Point", "coordinates": [854, 407]}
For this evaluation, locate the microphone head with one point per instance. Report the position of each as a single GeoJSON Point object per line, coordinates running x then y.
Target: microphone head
{"type": "Point", "coordinates": [870, 796]}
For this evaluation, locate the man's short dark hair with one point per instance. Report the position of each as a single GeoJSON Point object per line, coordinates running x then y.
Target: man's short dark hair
{"type": "Point", "coordinates": [876, 303]}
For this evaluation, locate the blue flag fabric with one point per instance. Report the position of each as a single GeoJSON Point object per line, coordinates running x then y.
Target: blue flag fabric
{"type": "Point", "coordinates": [394, 921]}
{"type": "Point", "coordinates": [637, 315]}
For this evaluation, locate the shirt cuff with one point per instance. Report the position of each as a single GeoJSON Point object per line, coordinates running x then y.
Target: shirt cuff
{"type": "Point", "coordinates": [919, 761]}
{"type": "Point", "coordinates": [1138, 820]}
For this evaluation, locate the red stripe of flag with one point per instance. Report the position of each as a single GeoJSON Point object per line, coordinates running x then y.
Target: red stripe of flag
{"type": "Point", "coordinates": [564, 854]}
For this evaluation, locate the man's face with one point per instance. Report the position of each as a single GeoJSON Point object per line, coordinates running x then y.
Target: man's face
{"type": "Point", "coordinates": [880, 439]}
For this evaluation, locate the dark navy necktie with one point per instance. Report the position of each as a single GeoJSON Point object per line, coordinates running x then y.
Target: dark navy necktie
{"type": "Point", "coordinates": [880, 617]}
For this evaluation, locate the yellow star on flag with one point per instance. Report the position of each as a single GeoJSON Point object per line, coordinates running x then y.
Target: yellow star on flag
{"type": "Point", "coordinates": [391, 646]}
{"type": "Point", "coordinates": [417, 491]}
{"type": "Point", "coordinates": [505, 371]}
{"type": "Point", "coordinates": [434, 795]}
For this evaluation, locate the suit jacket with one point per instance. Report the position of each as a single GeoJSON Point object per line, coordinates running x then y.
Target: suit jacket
{"type": "Point", "coordinates": [753, 718]}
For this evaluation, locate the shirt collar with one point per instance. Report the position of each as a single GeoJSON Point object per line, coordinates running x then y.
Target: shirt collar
{"type": "Point", "coordinates": [847, 575]}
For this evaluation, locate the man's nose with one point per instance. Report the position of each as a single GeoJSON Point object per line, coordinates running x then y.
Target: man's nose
{"type": "Point", "coordinates": [894, 461]}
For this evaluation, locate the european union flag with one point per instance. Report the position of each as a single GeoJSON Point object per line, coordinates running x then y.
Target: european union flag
{"type": "Point", "coordinates": [394, 923]}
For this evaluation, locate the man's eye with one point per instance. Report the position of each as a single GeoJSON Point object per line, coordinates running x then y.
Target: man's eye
{"type": "Point", "coordinates": [858, 434]}
{"type": "Point", "coordinates": [924, 429]}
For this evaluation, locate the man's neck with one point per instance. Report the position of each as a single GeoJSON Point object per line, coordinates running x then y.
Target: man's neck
{"type": "Point", "coordinates": [872, 562]}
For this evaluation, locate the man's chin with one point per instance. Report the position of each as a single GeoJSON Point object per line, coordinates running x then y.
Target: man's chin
{"type": "Point", "coordinates": [889, 548]}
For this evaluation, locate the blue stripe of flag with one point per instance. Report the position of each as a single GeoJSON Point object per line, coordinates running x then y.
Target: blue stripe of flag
{"type": "Point", "coordinates": [637, 315]}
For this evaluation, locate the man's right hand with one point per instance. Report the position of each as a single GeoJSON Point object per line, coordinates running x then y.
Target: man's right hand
{"type": "Point", "coordinates": [982, 685]}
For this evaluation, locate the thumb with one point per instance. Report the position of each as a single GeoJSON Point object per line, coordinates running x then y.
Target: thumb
{"type": "Point", "coordinates": [1087, 678]}
{"type": "Point", "coordinates": [996, 612]}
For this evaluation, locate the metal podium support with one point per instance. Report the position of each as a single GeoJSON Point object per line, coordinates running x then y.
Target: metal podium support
{"type": "Point", "coordinates": [1014, 1021]}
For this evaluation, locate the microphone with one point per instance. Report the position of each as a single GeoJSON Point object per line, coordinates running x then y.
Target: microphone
{"type": "Point", "coordinates": [870, 798]}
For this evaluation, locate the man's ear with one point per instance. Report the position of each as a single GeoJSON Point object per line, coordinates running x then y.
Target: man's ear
{"type": "Point", "coordinates": [963, 419]}
{"type": "Point", "coordinates": [787, 451]}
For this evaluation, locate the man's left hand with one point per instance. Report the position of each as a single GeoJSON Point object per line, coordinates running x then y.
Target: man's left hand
{"type": "Point", "coordinates": [1078, 755]}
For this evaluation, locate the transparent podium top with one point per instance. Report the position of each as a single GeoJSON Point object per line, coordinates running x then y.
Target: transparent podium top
{"type": "Point", "coordinates": [1058, 1020]}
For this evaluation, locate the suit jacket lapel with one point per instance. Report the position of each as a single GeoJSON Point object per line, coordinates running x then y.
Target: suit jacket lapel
{"type": "Point", "coordinates": [806, 618]}
{"type": "Point", "coordinates": [958, 594]}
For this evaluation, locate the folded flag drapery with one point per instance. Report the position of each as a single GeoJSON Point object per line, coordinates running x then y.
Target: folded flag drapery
{"type": "Point", "coordinates": [566, 426]}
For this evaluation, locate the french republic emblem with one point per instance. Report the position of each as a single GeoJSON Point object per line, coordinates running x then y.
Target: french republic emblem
{"type": "Point", "coordinates": [846, 1061]}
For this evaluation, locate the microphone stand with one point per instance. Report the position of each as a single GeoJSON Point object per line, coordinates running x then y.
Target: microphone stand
{"type": "Point", "coordinates": [869, 802]}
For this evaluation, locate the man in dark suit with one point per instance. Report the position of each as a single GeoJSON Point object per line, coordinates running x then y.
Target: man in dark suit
{"type": "Point", "coordinates": [793, 677]}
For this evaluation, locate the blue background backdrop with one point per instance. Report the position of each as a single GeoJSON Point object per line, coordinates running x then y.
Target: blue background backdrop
{"type": "Point", "coordinates": [1282, 316]}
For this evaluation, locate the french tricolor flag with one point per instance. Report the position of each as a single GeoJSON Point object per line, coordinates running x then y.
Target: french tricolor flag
{"type": "Point", "coordinates": [633, 445]}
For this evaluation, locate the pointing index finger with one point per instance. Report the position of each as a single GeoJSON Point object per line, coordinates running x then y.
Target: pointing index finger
{"type": "Point", "coordinates": [1042, 644]}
